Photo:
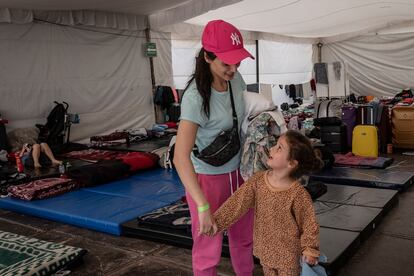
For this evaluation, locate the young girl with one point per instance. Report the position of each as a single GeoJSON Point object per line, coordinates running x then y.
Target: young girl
{"type": "Point", "coordinates": [38, 155]}
{"type": "Point", "coordinates": [285, 227]}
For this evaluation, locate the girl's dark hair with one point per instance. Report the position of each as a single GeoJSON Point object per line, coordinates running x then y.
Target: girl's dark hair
{"type": "Point", "coordinates": [301, 150]}
{"type": "Point", "coordinates": [203, 79]}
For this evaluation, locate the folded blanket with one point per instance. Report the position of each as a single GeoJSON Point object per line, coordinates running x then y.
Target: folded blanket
{"type": "Point", "coordinates": [350, 160]}
{"type": "Point", "coordinates": [94, 155]}
{"type": "Point", "coordinates": [43, 188]}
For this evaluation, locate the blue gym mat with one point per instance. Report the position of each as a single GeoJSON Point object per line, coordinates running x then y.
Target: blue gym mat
{"type": "Point", "coordinates": [104, 208]}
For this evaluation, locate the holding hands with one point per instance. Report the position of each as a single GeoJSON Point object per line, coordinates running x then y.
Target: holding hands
{"type": "Point", "coordinates": [207, 225]}
{"type": "Point", "coordinates": [310, 259]}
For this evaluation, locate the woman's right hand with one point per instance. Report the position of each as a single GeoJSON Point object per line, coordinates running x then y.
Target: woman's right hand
{"type": "Point", "coordinates": [205, 222]}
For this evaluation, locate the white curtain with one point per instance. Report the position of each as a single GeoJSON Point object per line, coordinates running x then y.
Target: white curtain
{"type": "Point", "coordinates": [285, 63]}
{"type": "Point", "coordinates": [104, 77]}
{"type": "Point", "coordinates": [163, 60]}
{"type": "Point", "coordinates": [380, 65]}
{"type": "Point", "coordinates": [279, 62]}
{"type": "Point", "coordinates": [184, 53]}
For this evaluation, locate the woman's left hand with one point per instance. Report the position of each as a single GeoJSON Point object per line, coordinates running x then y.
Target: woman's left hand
{"type": "Point", "coordinates": [310, 260]}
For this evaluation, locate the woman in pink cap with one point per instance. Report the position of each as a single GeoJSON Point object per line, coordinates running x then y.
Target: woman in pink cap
{"type": "Point", "coordinates": [212, 100]}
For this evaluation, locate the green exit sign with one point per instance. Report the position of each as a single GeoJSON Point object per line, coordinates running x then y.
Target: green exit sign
{"type": "Point", "coordinates": [150, 49]}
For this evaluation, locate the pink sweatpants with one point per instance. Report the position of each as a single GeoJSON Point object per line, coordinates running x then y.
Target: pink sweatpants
{"type": "Point", "coordinates": [207, 250]}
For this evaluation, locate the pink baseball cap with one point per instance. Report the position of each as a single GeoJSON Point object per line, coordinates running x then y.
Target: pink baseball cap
{"type": "Point", "coordinates": [225, 41]}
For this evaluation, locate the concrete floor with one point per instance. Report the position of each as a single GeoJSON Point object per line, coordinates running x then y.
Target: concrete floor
{"type": "Point", "coordinates": [389, 251]}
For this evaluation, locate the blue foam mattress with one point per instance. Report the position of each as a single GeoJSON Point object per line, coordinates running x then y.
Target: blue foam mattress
{"type": "Point", "coordinates": [104, 208]}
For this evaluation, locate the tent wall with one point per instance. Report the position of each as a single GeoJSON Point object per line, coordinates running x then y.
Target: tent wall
{"type": "Point", "coordinates": [285, 63]}
{"type": "Point", "coordinates": [279, 62]}
{"type": "Point", "coordinates": [380, 65]}
{"type": "Point", "coordinates": [163, 61]}
{"type": "Point", "coordinates": [184, 53]}
{"type": "Point", "coordinates": [104, 77]}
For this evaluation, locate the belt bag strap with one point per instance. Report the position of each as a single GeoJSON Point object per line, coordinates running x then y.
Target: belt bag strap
{"type": "Point", "coordinates": [235, 121]}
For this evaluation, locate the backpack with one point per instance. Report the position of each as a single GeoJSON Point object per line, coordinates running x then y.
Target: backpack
{"type": "Point", "coordinates": [166, 154]}
{"type": "Point", "coordinates": [53, 132]}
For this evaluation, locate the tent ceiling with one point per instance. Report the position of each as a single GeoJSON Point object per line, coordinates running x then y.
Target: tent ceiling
{"type": "Point", "coordinates": [138, 7]}
{"type": "Point", "coordinates": [312, 18]}
{"type": "Point", "coordinates": [292, 18]}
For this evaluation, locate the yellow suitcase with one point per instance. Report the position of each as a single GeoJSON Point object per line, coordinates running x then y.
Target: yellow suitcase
{"type": "Point", "coordinates": [365, 141]}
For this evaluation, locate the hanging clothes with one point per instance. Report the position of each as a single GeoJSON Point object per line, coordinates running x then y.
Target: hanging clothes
{"type": "Point", "coordinates": [262, 133]}
{"type": "Point", "coordinates": [337, 69]}
{"type": "Point", "coordinates": [321, 73]}
{"type": "Point", "coordinates": [299, 90]}
{"type": "Point", "coordinates": [164, 96]}
{"type": "Point", "coordinates": [307, 90]}
{"type": "Point", "coordinates": [176, 96]}
{"type": "Point", "coordinates": [292, 91]}
{"type": "Point", "coordinates": [313, 84]}
{"type": "Point", "coordinates": [287, 90]}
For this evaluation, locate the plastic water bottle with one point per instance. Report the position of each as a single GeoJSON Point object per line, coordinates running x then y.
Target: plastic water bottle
{"type": "Point", "coordinates": [19, 164]}
{"type": "Point", "coordinates": [62, 170]}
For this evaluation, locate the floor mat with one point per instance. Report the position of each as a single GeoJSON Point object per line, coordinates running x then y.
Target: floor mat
{"type": "Point", "coordinates": [21, 255]}
{"type": "Point", "coordinates": [171, 225]}
{"type": "Point", "coordinates": [385, 179]}
{"type": "Point", "coordinates": [360, 196]}
{"type": "Point", "coordinates": [105, 207]}
{"type": "Point", "coordinates": [147, 145]}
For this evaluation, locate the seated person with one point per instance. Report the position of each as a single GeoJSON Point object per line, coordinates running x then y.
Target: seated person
{"type": "Point", "coordinates": [38, 155]}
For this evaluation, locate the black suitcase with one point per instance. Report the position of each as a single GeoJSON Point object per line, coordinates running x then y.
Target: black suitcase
{"type": "Point", "coordinates": [365, 115]}
{"type": "Point", "coordinates": [3, 136]}
{"type": "Point", "coordinates": [335, 137]}
{"type": "Point", "coordinates": [174, 112]}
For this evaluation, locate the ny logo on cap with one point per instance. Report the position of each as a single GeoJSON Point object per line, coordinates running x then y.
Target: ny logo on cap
{"type": "Point", "coordinates": [235, 39]}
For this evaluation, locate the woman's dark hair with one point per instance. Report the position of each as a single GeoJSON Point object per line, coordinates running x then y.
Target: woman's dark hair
{"type": "Point", "coordinates": [301, 150]}
{"type": "Point", "coordinates": [203, 79]}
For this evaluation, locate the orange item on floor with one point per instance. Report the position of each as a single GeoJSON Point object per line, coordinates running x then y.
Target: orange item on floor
{"type": "Point", "coordinates": [369, 98]}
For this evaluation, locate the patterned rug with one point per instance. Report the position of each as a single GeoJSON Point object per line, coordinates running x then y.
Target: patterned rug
{"type": "Point", "coordinates": [20, 255]}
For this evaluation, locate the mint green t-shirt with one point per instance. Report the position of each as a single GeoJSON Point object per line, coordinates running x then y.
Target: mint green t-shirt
{"type": "Point", "coordinates": [221, 118]}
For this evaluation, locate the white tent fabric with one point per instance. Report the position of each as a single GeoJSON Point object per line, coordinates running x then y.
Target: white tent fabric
{"type": "Point", "coordinates": [184, 53]}
{"type": "Point", "coordinates": [186, 10]}
{"type": "Point", "coordinates": [104, 77]}
{"type": "Point", "coordinates": [283, 63]}
{"type": "Point", "coordinates": [183, 60]}
{"type": "Point", "coordinates": [312, 18]}
{"type": "Point", "coordinates": [159, 12]}
{"type": "Point", "coordinates": [279, 63]}
{"type": "Point", "coordinates": [136, 7]}
{"type": "Point", "coordinates": [163, 62]}
{"type": "Point", "coordinates": [377, 65]}
{"type": "Point", "coordinates": [15, 16]}
{"type": "Point", "coordinates": [73, 18]}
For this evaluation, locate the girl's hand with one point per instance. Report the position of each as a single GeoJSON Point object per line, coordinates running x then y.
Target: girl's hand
{"type": "Point", "coordinates": [205, 222]}
{"type": "Point", "coordinates": [213, 230]}
{"type": "Point", "coordinates": [310, 260]}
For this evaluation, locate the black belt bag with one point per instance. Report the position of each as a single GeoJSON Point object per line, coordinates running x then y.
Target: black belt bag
{"type": "Point", "coordinates": [225, 146]}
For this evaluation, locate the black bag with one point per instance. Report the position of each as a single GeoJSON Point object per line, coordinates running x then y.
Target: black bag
{"type": "Point", "coordinates": [327, 121]}
{"type": "Point", "coordinates": [53, 132]}
{"type": "Point", "coordinates": [4, 145]}
{"type": "Point", "coordinates": [174, 112]}
{"type": "Point", "coordinates": [330, 119]}
{"type": "Point", "coordinates": [225, 146]}
{"type": "Point", "coordinates": [316, 189]}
